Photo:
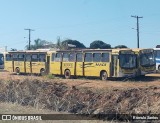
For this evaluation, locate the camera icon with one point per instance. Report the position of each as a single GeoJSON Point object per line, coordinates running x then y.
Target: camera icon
{"type": "Point", "coordinates": [6, 117]}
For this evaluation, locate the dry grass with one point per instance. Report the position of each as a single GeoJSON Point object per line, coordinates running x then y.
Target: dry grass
{"type": "Point", "coordinates": [149, 80]}
{"type": "Point", "coordinates": [83, 96]}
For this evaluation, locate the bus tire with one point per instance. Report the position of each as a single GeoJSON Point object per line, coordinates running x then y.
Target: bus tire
{"type": "Point", "coordinates": [67, 74]}
{"type": "Point", "coordinates": [17, 71]}
{"type": "Point", "coordinates": [103, 75]}
{"type": "Point", "coordinates": [42, 72]}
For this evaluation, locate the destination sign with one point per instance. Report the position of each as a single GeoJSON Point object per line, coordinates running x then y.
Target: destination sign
{"type": "Point", "coordinates": [146, 51]}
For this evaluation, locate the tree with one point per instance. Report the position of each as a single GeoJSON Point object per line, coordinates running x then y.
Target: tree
{"type": "Point", "coordinates": [38, 43]}
{"type": "Point", "coordinates": [99, 44]}
{"type": "Point", "coordinates": [76, 43]}
{"type": "Point", "coordinates": [120, 46]}
{"type": "Point", "coordinates": [59, 44]}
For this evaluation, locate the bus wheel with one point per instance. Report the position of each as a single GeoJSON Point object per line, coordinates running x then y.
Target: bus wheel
{"type": "Point", "coordinates": [17, 71]}
{"type": "Point", "coordinates": [103, 75]}
{"type": "Point", "coordinates": [67, 74]}
{"type": "Point", "coordinates": [42, 72]}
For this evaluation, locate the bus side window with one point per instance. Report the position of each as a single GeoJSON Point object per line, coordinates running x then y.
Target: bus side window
{"type": "Point", "coordinates": [96, 57]}
{"type": "Point", "coordinates": [15, 57]}
{"type": "Point", "coordinates": [65, 57]}
{"type": "Point", "coordinates": [42, 57]}
{"type": "Point", "coordinates": [72, 57]}
{"type": "Point", "coordinates": [58, 57]}
{"type": "Point", "coordinates": [8, 57]}
{"type": "Point", "coordinates": [28, 57]}
{"type": "Point", "coordinates": [20, 57]}
{"type": "Point", "coordinates": [79, 57]}
{"type": "Point", "coordinates": [105, 57]}
{"type": "Point", "coordinates": [35, 57]}
{"type": "Point", "coordinates": [53, 56]}
{"type": "Point", "coordinates": [88, 57]}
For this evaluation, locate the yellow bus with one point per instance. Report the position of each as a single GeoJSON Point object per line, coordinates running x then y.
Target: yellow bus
{"type": "Point", "coordinates": [145, 61]}
{"type": "Point", "coordinates": [8, 62]}
{"type": "Point", "coordinates": [87, 62]}
{"type": "Point", "coordinates": [26, 62]}
{"type": "Point", "coordinates": [93, 62]}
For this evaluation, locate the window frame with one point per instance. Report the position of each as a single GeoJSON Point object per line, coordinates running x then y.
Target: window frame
{"type": "Point", "coordinates": [53, 57]}
{"type": "Point", "coordinates": [6, 58]}
{"type": "Point", "coordinates": [65, 57]}
{"type": "Point", "coordinates": [35, 60]}
{"type": "Point", "coordinates": [30, 58]}
{"type": "Point", "coordinates": [22, 58]}
{"type": "Point", "coordinates": [14, 58]}
{"type": "Point", "coordinates": [60, 57]}
{"type": "Point", "coordinates": [97, 59]}
{"type": "Point", "coordinates": [81, 59]}
{"type": "Point", "coordinates": [73, 57]}
{"type": "Point", "coordinates": [102, 58]}
{"type": "Point", "coordinates": [88, 59]}
{"type": "Point", "coordinates": [42, 59]}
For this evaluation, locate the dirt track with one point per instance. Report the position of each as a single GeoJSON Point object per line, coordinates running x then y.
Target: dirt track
{"type": "Point", "coordinates": [146, 81]}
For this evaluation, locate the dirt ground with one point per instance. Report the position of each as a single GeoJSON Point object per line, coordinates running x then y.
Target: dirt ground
{"type": "Point", "coordinates": [122, 83]}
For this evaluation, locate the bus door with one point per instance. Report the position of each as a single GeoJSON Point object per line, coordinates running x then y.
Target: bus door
{"type": "Point", "coordinates": [88, 64]}
{"type": "Point", "coordinates": [56, 64]}
{"type": "Point", "coordinates": [35, 63]}
{"type": "Point", "coordinates": [114, 65]}
{"type": "Point", "coordinates": [14, 62]}
{"type": "Point", "coordinates": [8, 63]}
{"type": "Point", "coordinates": [20, 63]}
{"type": "Point", "coordinates": [79, 64]}
{"type": "Point", "coordinates": [28, 63]}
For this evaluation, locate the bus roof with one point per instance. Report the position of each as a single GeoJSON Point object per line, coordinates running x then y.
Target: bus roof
{"type": "Point", "coordinates": [28, 51]}
{"type": "Point", "coordinates": [140, 49]}
{"type": "Point", "coordinates": [95, 50]}
{"type": "Point", "coordinates": [156, 48]}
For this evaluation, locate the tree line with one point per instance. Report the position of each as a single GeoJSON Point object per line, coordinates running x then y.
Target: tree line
{"type": "Point", "coordinates": [69, 44]}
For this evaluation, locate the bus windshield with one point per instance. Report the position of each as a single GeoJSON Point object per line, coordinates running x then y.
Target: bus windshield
{"type": "Point", "coordinates": [128, 61]}
{"type": "Point", "coordinates": [147, 59]}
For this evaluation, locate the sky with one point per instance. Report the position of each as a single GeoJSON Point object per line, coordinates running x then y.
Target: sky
{"type": "Point", "coordinates": [82, 20]}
